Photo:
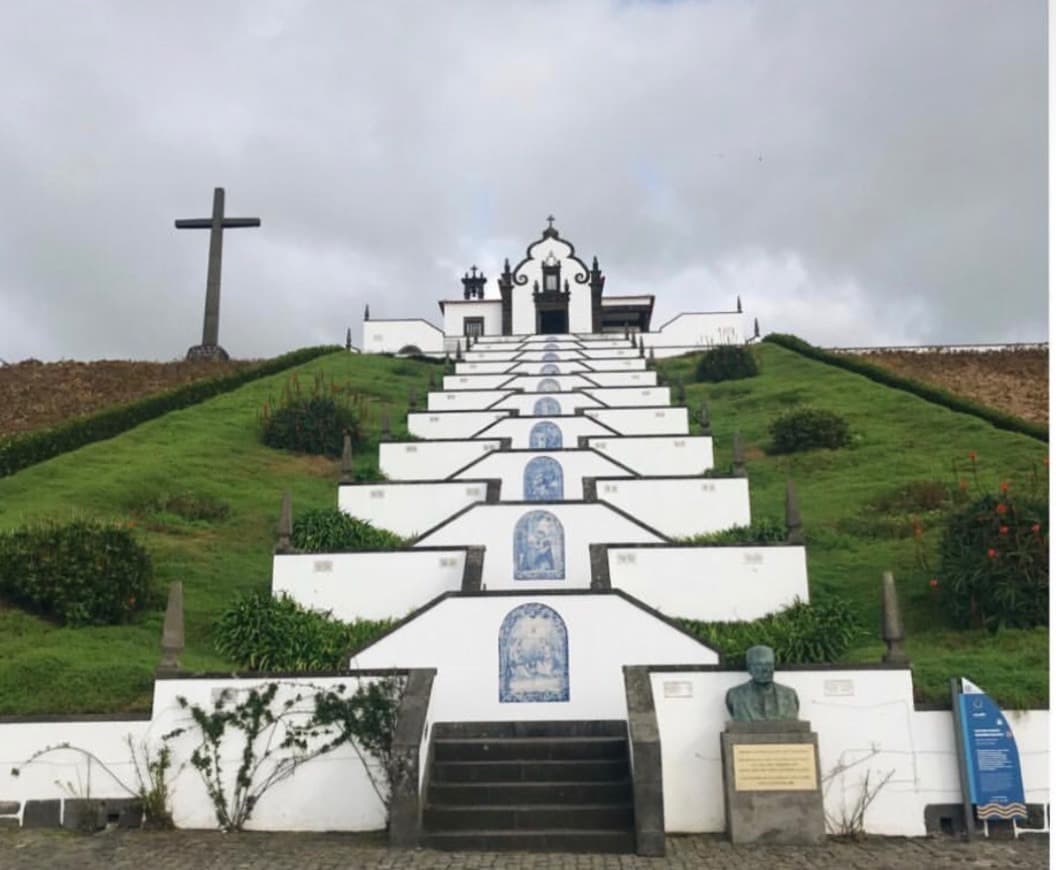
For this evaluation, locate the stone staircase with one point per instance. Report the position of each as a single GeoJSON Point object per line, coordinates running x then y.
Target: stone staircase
{"type": "Point", "coordinates": [532, 786]}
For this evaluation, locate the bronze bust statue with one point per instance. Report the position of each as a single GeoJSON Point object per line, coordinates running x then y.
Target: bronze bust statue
{"type": "Point", "coordinates": [761, 698]}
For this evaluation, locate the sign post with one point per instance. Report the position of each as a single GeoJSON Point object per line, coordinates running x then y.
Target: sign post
{"type": "Point", "coordinates": [988, 759]}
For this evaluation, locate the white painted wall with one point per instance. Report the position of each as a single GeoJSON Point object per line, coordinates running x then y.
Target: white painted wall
{"type": "Point", "coordinates": [616, 364]}
{"type": "Point", "coordinates": [656, 456]}
{"type": "Point", "coordinates": [429, 460]}
{"type": "Point", "coordinates": [536, 368]}
{"type": "Point", "coordinates": [477, 382]}
{"type": "Point", "coordinates": [632, 397]}
{"type": "Point", "coordinates": [451, 424]}
{"type": "Point", "coordinates": [530, 383]}
{"type": "Point", "coordinates": [643, 421]}
{"type": "Point", "coordinates": [389, 336]}
{"type": "Point", "coordinates": [852, 712]}
{"type": "Point", "coordinates": [42, 779]}
{"type": "Point", "coordinates": [525, 402]}
{"type": "Point", "coordinates": [467, 400]}
{"type": "Point", "coordinates": [457, 310]}
{"type": "Point", "coordinates": [692, 329]}
{"type": "Point", "coordinates": [409, 508]}
{"type": "Point", "coordinates": [712, 584]}
{"type": "Point", "coordinates": [680, 507]}
{"type": "Point", "coordinates": [519, 429]}
{"type": "Point", "coordinates": [367, 585]}
{"type": "Point", "coordinates": [628, 378]}
{"type": "Point", "coordinates": [494, 366]}
{"type": "Point", "coordinates": [459, 637]}
{"type": "Point", "coordinates": [493, 526]}
{"type": "Point", "coordinates": [579, 309]}
{"type": "Point", "coordinates": [331, 793]}
{"type": "Point", "coordinates": [562, 355]}
{"type": "Point", "coordinates": [509, 467]}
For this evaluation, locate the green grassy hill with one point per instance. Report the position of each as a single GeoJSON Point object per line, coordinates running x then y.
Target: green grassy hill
{"type": "Point", "coordinates": [212, 452]}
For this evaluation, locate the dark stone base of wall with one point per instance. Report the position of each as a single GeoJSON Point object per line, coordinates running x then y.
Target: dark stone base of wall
{"type": "Point", "coordinates": [207, 352]}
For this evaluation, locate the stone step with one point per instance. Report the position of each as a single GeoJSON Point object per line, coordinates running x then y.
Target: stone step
{"type": "Point", "coordinates": [528, 748]}
{"type": "Point", "coordinates": [589, 770]}
{"type": "Point", "coordinates": [555, 728]}
{"type": "Point", "coordinates": [499, 794]}
{"type": "Point", "coordinates": [527, 817]}
{"type": "Point", "coordinates": [610, 842]}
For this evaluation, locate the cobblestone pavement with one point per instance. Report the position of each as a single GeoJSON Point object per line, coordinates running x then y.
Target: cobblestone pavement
{"type": "Point", "coordinates": [196, 850]}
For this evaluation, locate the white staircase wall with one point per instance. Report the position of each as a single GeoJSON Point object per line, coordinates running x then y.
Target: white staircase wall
{"type": "Point", "coordinates": [658, 456]}
{"type": "Point", "coordinates": [409, 508]}
{"type": "Point", "coordinates": [680, 507]}
{"type": "Point", "coordinates": [429, 460]}
{"type": "Point", "coordinates": [643, 421]}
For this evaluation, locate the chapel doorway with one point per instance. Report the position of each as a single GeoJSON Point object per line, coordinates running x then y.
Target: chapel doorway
{"type": "Point", "coordinates": [552, 322]}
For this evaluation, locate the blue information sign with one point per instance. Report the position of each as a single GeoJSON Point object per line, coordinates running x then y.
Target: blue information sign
{"type": "Point", "coordinates": [995, 781]}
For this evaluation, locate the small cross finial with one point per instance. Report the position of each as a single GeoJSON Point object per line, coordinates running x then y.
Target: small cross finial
{"type": "Point", "coordinates": [550, 220]}
{"type": "Point", "coordinates": [473, 270]}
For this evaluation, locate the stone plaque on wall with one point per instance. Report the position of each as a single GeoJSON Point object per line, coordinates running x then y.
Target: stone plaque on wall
{"type": "Point", "coordinates": [774, 767]}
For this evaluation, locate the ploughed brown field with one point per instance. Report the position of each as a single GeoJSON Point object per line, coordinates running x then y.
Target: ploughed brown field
{"type": "Point", "coordinates": [1014, 381]}
{"type": "Point", "coordinates": [35, 395]}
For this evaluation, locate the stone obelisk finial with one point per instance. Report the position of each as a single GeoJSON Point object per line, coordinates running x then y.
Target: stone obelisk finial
{"type": "Point", "coordinates": [793, 522]}
{"type": "Point", "coordinates": [172, 630]}
{"type": "Point", "coordinates": [346, 457]}
{"type": "Point", "coordinates": [740, 468]}
{"type": "Point", "coordinates": [892, 632]}
{"type": "Point", "coordinates": [285, 528]}
{"type": "Point", "coordinates": [704, 419]}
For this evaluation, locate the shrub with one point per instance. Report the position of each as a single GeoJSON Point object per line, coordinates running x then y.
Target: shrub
{"type": "Point", "coordinates": [807, 428]}
{"type": "Point", "coordinates": [764, 531]}
{"type": "Point", "coordinates": [25, 450]}
{"type": "Point", "coordinates": [817, 632]}
{"type": "Point", "coordinates": [727, 362]}
{"type": "Point", "coordinates": [264, 633]}
{"type": "Point", "coordinates": [313, 425]}
{"type": "Point", "coordinates": [994, 563]}
{"type": "Point", "coordinates": [187, 505]}
{"type": "Point", "coordinates": [78, 573]}
{"type": "Point", "coordinates": [329, 530]}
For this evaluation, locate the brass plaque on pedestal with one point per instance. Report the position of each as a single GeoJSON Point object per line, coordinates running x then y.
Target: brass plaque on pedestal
{"type": "Point", "coordinates": [774, 767]}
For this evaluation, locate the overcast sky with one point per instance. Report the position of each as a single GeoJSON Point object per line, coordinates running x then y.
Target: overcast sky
{"type": "Point", "coordinates": [859, 172]}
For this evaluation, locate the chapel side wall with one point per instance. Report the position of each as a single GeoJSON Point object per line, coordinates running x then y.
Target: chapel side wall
{"type": "Point", "coordinates": [390, 336]}
{"type": "Point", "coordinates": [367, 585]}
{"type": "Point", "coordinates": [711, 584]}
{"type": "Point", "coordinates": [456, 312]}
{"type": "Point", "coordinates": [681, 507]}
{"type": "Point", "coordinates": [698, 329]}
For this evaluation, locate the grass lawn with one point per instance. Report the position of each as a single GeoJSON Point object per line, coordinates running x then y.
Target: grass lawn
{"type": "Point", "coordinates": [209, 450]}
{"type": "Point", "coordinates": [898, 439]}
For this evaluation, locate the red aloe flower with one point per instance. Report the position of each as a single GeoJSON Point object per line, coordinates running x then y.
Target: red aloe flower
{"type": "Point", "coordinates": [992, 553]}
{"type": "Point", "coordinates": [1002, 508]}
{"type": "Point", "coordinates": [1036, 528]}
{"type": "Point", "coordinates": [1004, 486]}
{"type": "Point", "coordinates": [1003, 530]}
{"type": "Point", "coordinates": [934, 582]}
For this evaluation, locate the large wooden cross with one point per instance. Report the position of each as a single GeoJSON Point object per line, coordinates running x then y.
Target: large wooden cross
{"type": "Point", "coordinates": [216, 226]}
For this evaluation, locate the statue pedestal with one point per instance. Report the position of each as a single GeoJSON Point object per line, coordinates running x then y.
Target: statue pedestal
{"type": "Point", "coordinates": [772, 782]}
{"type": "Point", "coordinates": [207, 352]}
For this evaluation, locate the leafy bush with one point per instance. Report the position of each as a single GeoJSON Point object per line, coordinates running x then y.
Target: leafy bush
{"type": "Point", "coordinates": [807, 428]}
{"type": "Point", "coordinates": [764, 531]}
{"type": "Point", "coordinates": [329, 530]}
{"type": "Point", "coordinates": [264, 633]}
{"type": "Point", "coordinates": [925, 391]}
{"type": "Point", "coordinates": [727, 362]}
{"type": "Point", "coordinates": [78, 573]}
{"type": "Point", "coordinates": [25, 450]}
{"type": "Point", "coordinates": [310, 424]}
{"type": "Point", "coordinates": [818, 632]}
{"type": "Point", "coordinates": [994, 563]}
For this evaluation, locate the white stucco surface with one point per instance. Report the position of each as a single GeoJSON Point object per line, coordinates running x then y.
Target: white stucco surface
{"type": "Point", "coordinates": [524, 403]}
{"type": "Point", "coordinates": [643, 421]}
{"type": "Point", "coordinates": [457, 310]}
{"type": "Point", "coordinates": [680, 507]}
{"type": "Point", "coordinates": [459, 637]}
{"type": "Point", "coordinates": [711, 584]}
{"type": "Point", "coordinates": [390, 336]}
{"type": "Point", "coordinates": [659, 455]}
{"type": "Point", "coordinates": [630, 397]}
{"type": "Point", "coordinates": [409, 508]}
{"type": "Point", "coordinates": [509, 467]}
{"type": "Point", "coordinates": [477, 382]}
{"type": "Point", "coordinates": [429, 460]}
{"type": "Point", "coordinates": [493, 526]}
{"type": "Point", "coordinates": [451, 424]}
{"type": "Point", "coordinates": [464, 400]}
{"type": "Point", "coordinates": [367, 585]}
{"type": "Point", "coordinates": [519, 429]}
